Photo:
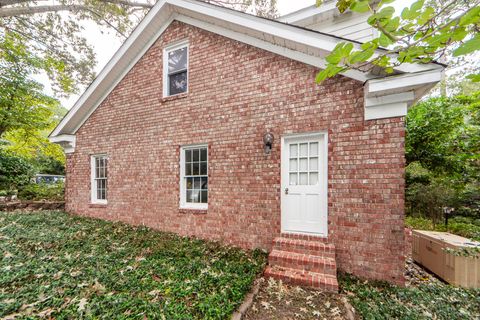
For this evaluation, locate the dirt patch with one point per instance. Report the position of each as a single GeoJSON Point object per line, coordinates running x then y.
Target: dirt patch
{"type": "Point", "coordinates": [276, 300]}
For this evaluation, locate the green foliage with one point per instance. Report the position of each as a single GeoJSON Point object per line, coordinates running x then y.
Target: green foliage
{"type": "Point", "coordinates": [443, 156]}
{"type": "Point", "coordinates": [467, 227]}
{"type": "Point", "coordinates": [69, 267]}
{"type": "Point", "coordinates": [421, 33]}
{"type": "Point", "coordinates": [15, 171]}
{"type": "Point", "coordinates": [380, 300]}
{"type": "Point", "coordinates": [42, 191]}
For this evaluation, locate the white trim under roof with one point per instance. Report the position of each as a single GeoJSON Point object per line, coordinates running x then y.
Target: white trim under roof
{"type": "Point", "coordinates": [296, 43]}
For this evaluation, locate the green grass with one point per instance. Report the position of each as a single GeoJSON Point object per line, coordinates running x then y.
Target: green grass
{"type": "Point", "coordinates": [463, 226]}
{"type": "Point", "coordinates": [62, 266]}
{"type": "Point", "coordinates": [379, 300]}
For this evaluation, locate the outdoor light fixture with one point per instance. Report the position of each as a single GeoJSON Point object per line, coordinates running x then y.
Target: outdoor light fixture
{"type": "Point", "coordinates": [267, 142]}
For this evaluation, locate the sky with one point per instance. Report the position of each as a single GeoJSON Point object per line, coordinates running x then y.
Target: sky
{"type": "Point", "coordinates": [106, 44]}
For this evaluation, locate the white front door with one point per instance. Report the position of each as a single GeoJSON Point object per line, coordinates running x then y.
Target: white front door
{"type": "Point", "coordinates": [304, 184]}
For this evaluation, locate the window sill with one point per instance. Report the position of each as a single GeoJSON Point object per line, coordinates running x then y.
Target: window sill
{"type": "Point", "coordinates": [97, 205]}
{"type": "Point", "coordinates": [175, 97]}
{"type": "Point", "coordinates": [193, 210]}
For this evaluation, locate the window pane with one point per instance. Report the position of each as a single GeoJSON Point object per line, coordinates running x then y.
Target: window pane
{"type": "Point", "coordinates": [188, 169]}
{"type": "Point", "coordinates": [303, 178]}
{"type": "Point", "coordinates": [204, 183]}
{"type": "Point", "coordinates": [203, 154]}
{"type": "Point", "coordinates": [303, 164]}
{"type": "Point", "coordinates": [188, 155]}
{"type": "Point", "coordinates": [196, 183]}
{"type": "Point", "coordinates": [196, 169]}
{"type": "Point", "coordinates": [303, 149]}
{"type": "Point", "coordinates": [293, 150]}
{"type": "Point", "coordinates": [203, 168]}
{"type": "Point", "coordinates": [177, 83]}
{"type": "Point", "coordinates": [190, 196]}
{"type": "Point", "coordinates": [104, 194]}
{"type": "Point", "coordinates": [189, 183]}
{"type": "Point", "coordinates": [177, 60]}
{"type": "Point", "coordinates": [196, 155]}
{"type": "Point", "coordinates": [293, 179]}
{"type": "Point", "coordinates": [313, 178]}
{"type": "Point", "coordinates": [313, 164]}
{"type": "Point", "coordinates": [293, 165]}
{"type": "Point", "coordinates": [313, 149]}
{"type": "Point", "coordinates": [204, 197]}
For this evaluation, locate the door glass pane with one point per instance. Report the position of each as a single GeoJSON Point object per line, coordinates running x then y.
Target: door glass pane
{"type": "Point", "coordinates": [313, 164]}
{"type": "Point", "coordinates": [293, 179]}
{"type": "Point", "coordinates": [293, 165]}
{"type": "Point", "coordinates": [313, 149]}
{"type": "Point", "coordinates": [303, 178]}
{"type": "Point", "coordinates": [303, 149]}
{"type": "Point", "coordinates": [293, 150]}
{"type": "Point", "coordinates": [303, 164]}
{"type": "Point", "coordinates": [313, 178]}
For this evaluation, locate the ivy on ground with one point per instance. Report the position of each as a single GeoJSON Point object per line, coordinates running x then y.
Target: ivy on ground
{"type": "Point", "coordinates": [379, 300]}
{"type": "Point", "coordinates": [56, 265]}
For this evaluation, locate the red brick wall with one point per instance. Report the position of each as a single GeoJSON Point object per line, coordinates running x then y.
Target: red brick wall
{"type": "Point", "coordinates": [236, 94]}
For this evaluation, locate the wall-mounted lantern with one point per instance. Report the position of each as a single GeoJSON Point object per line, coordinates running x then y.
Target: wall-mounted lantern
{"type": "Point", "coordinates": [267, 142]}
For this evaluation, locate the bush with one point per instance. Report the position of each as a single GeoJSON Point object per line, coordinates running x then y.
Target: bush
{"type": "Point", "coordinates": [15, 171]}
{"type": "Point", "coordinates": [463, 226]}
{"type": "Point", "coordinates": [52, 192]}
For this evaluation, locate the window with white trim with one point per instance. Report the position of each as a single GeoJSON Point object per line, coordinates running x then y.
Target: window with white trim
{"type": "Point", "coordinates": [175, 69]}
{"type": "Point", "coordinates": [99, 165]}
{"type": "Point", "coordinates": [194, 177]}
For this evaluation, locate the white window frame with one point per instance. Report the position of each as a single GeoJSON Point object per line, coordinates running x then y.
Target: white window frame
{"type": "Point", "coordinates": [166, 51]}
{"type": "Point", "coordinates": [183, 188]}
{"type": "Point", "coordinates": [93, 181]}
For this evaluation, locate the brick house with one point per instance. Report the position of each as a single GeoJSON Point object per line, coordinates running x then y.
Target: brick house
{"type": "Point", "coordinates": [208, 122]}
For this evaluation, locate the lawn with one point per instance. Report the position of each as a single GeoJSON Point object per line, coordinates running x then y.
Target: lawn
{"type": "Point", "coordinates": [61, 266]}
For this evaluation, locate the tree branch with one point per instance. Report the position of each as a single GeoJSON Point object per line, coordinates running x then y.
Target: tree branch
{"type": "Point", "coordinates": [18, 11]}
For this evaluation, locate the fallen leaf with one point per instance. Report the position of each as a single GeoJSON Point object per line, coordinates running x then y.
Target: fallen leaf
{"type": "Point", "coordinates": [81, 304]}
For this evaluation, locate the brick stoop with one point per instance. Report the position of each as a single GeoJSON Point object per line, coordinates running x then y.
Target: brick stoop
{"type": "Point", "coordinates": [304, 261]}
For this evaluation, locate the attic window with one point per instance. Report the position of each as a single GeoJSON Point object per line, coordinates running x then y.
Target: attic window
{"type": "Point", "coordinates": [175, 66]}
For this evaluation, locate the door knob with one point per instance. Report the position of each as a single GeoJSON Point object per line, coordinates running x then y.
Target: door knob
{"type": "Point", "coordinates": [286, 190]}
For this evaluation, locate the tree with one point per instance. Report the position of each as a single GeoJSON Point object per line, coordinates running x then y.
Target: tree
{"type": "Point", "coordinates": [22, 102]}
{"type": "Point", "coordinates": [443, 156]}
{"type": "Point", "coordinates": [421, 34]}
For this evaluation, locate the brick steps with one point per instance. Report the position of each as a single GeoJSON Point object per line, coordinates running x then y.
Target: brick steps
{"type": "Point", "coordinates": [304, 261]}
{"type": "Point", "coordinates": [303, 278]}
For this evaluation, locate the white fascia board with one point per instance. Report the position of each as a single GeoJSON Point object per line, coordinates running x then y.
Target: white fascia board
{"type": "Point", "coordinates": [398, 109]}
{"type": "Point", "coordinates": [267, 46]}
{"type": "Point", "coordinates": [374, 86]}
{"type": "Point", "coordinates": [408, 96]}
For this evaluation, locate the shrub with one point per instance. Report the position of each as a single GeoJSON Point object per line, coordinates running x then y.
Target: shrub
{"type": "Point", "coordinates": [53, 192]}
{"type": "Point", "coordinates": [463, 226]}
{"type": "Point", "coordinates": [15, 171]}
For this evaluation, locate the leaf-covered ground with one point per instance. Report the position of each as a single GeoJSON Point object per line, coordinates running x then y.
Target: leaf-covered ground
{"type": "Point", "coordinates": [55, 265]}
{"type": "Point", "coordinates": [427, 300]}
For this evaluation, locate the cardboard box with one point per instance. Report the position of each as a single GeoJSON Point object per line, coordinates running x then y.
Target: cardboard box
{"type": "Point", "coordinates": [428, 249]}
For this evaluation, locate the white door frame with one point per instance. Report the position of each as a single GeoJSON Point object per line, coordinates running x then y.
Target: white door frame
{"type": "Point", "coordinates": [284, 162]}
